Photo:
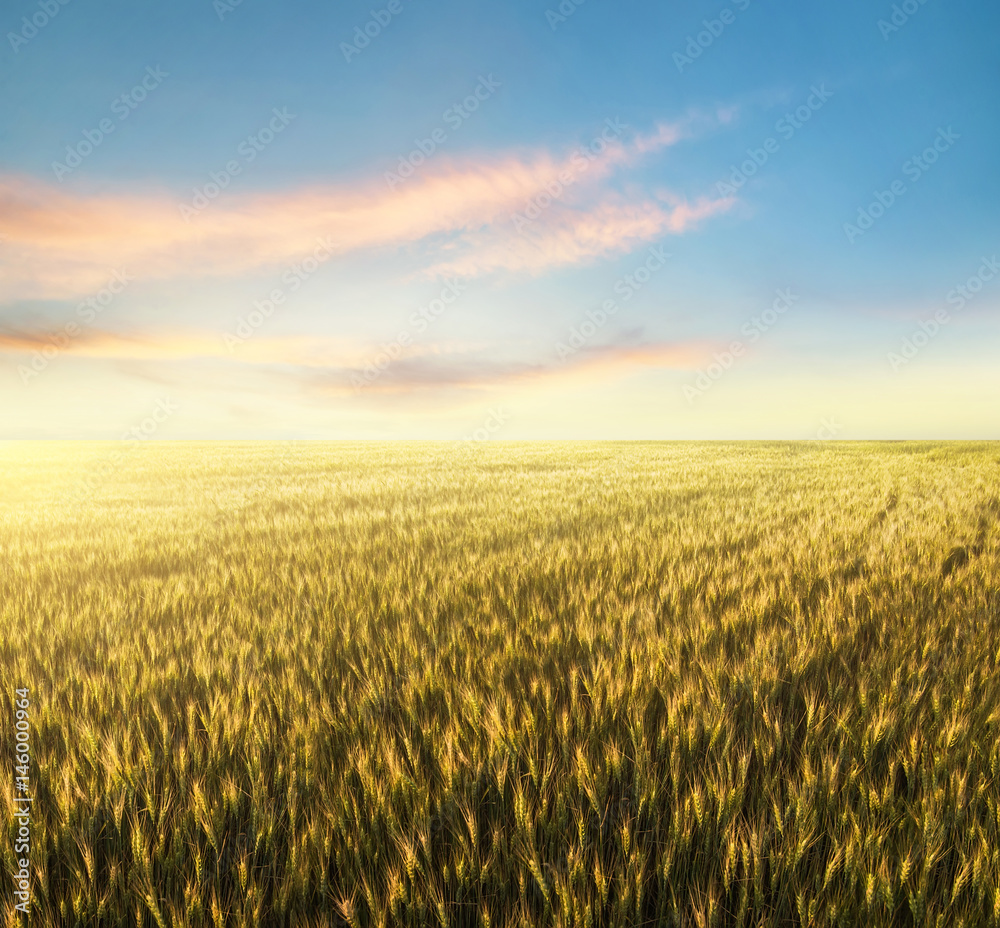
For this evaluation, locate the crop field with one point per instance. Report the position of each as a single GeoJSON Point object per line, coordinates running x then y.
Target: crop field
{"type": "Point", "coordinates": [502, 684]}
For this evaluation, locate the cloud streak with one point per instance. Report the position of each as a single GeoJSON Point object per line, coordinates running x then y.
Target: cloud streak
{"type": "Point", "coordinates": [323, 366]}
{"type": "Point", "coordinates": [460, 371]}
{"type": "Point", "coordinates": [571, 235]}
{"type": "Point", "coordinates": [62, 245]}
{"type": "Point", "coordinates": [182, 345]}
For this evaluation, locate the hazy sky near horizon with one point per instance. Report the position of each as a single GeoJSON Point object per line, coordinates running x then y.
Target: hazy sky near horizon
{"type": "Point", "coordinates": [515, 220]}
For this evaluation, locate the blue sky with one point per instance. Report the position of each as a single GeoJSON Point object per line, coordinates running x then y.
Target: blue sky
{"type": "Point", "coordinates": [877, 341]}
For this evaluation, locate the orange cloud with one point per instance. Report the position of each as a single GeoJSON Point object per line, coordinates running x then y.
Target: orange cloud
{"type": "Point", "coordinates": [60, 245]}
{"type": "Point", "coordinates": [569, 236]}
{"type": "Point", "coordinates": [329, 366]}
{"type": "Point", "coordinates": [464, 370]}
{"type": "Point", "coordinates": [180, 345]}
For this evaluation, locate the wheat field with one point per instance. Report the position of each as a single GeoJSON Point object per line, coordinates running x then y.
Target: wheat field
{"type": "Point", "coordinates": [503, 684]}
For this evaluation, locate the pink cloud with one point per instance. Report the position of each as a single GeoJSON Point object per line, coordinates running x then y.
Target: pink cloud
{"type": "Point", "coordinates": [183, 345]}
{"type": "Point", "coordinates": [63, 245]}
{"type": "Point", "coordinates": [567, 236]}
{"type": "Point", "coordinates": [325, 364]}
{"type": "Point", "coordinates": [462, 371]}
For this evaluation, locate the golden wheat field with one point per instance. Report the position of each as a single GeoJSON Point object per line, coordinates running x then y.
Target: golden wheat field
{"type": "Point", "coordinates": [503, 684]}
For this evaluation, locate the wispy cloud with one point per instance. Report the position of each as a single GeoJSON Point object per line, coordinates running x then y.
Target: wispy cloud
{"type": "Point", "coordinates": [61, 245]}
{"type": "Point", "coordinates": [182, 345]}
{"type": "Point", "coordinates": [569, 235]}
{"type": "Point", "coordinates": [457, 370]}
{"type": "Point", "coordinates": [323, 366]}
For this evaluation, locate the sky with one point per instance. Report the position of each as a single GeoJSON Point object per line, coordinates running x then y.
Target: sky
{"type": "Point", "coordinates": [485, 221]}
